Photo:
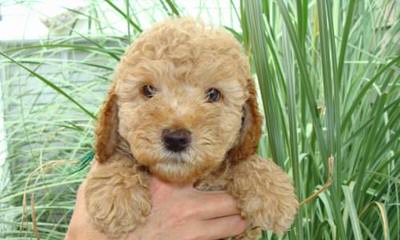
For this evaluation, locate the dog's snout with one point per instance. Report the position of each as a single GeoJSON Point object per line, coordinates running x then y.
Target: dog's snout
{"type": "Point", "coordinates": [176, 140]}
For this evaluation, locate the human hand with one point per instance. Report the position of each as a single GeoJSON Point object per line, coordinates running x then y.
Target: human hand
{"type": "Point", "coordinates": [178, 212]}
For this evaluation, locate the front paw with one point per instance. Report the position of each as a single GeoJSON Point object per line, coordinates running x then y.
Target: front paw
{"type": "Point", "coordinates": [117, 201]}
{"type": "Point", "coordinates": [266, 198]}
{"type": "Point", "coordinates": [273, 210]}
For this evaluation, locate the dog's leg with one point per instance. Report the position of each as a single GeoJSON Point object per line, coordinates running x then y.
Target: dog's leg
{"type": "Point", "coordinates": [265, 194]}
{"type": "Point", "coordinates": [117, 197]}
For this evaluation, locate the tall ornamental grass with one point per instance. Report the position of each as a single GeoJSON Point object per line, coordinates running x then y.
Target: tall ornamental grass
{"type": "Point", "coordinates": [328, 75]}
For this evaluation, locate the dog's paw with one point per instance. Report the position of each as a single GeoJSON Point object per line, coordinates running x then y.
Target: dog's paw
{"type": "Point", "coordinates": [267, 198]}
{"type": "Point", "coordinates": [275, 212]}
{"type": "Point", "coordinates": [117, 201]}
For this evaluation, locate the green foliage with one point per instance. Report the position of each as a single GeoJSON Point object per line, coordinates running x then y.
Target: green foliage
{"type": "Point", "coordinates": [332, 107]}
{"type": "Point", "coordinates": [328, 74]}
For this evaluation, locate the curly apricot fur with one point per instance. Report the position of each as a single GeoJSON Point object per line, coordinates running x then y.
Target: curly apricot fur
{"type": "Point", "coordinates": [182, 59]}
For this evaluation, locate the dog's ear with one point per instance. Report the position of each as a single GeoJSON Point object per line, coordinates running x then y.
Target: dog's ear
{"type": "Point", "coordinates": [250, 132]}
{"type": "Point", "coordinates": [106, 132]}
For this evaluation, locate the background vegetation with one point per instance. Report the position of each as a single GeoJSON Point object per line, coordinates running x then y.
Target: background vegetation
{"type": "Point", "coordinates": [329, 79]}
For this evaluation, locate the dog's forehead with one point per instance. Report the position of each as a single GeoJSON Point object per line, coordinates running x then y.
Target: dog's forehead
{"type": "Point", "coordinates": [189, 50]}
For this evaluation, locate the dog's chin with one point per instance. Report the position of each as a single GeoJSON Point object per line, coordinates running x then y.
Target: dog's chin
{"type": "Point", "coordinates": [185, 167]}
{"type": "Point", "coordinates": [179, 172]}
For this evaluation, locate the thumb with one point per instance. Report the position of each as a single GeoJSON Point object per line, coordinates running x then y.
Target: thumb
{"type": "Point", "coordinates": [159, 186]}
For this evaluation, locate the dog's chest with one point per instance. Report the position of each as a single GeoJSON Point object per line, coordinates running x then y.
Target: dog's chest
{"type": "Point", "coordinates": [215, 181]}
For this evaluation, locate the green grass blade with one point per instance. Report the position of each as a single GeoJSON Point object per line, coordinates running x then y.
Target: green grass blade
{"type": "Point", "coordinates": [354, 220]}
{"type": "Point", "coordinates": [50, 84]}
{"type": "Point", "coordinates": [124, 15]}
{"type": "Point", "coordinates": [173, 7]}
{"type": "Point", "coordinates": [256, 29]}
{"type": "Point", "coordinates": [304, 78]}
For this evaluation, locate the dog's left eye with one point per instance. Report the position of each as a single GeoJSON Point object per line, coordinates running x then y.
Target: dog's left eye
{"type": "Point", "coordinates": [149, 91]}
{"type": "Point", "coordinates": [213, 95]}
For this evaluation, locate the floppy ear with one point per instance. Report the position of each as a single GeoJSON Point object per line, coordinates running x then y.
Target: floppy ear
{"type": "Point", "coordinates": [251, 128]}
{"type": "Point", "coordinates": [106, 138]}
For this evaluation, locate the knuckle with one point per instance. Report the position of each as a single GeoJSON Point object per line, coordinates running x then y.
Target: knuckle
{"type": "Point", "coordinates": [182, 216]}
{"type": "Point", "coordinates": [188, 211]}
{"type": "Point", "coordinates": [240, 225]}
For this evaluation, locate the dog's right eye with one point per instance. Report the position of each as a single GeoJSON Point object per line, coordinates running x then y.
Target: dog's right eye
{"type": "Point", "coordinates": [149, 91]}
{"type": "Point", "coordinates": [213, 95]}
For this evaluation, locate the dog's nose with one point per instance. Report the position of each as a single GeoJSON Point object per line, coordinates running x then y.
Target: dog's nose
{"type": "Point", "coordinates": [176, 140]}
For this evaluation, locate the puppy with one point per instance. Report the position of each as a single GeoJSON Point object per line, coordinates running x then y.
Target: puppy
{"type": "Point", "coordinates": [182, 106]}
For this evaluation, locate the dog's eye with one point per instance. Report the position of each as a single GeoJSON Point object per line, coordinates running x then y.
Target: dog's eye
{"type": "Point", "coordinates": [213, 95]}
{"type": "Point", "coordinates": [149, 91]}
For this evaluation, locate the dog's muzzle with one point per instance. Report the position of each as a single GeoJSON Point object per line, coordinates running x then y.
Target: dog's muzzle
{"type": "Point", "coordinates": [176, 140]}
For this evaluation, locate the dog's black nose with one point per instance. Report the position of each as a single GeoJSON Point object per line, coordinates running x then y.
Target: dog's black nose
{"type": "Point", "coordinates": [176, 140]}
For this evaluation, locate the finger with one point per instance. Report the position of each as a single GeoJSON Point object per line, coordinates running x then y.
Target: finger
{"type": "Point", "coordinates": [80, 204]}
{"type": "Point", "coordinates": [215, 205]}
{"type": "Point", "coordinates": [223, 227]}
{"type": "Point", "coordinates": [93, 166]}
{"type": "Point", "coordinates": [157, 183]}
{"type": "Point", "coordinates": [161, 191]}
{"type": "Point", "coordinates": [80, 227]}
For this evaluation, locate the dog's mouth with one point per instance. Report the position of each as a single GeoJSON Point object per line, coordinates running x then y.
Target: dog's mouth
{"type": "Point", "coordinates": [173, 171]}
{"type": "Point", "coordinates": [175, 160]}
{"type": "Point", "coordinates": [180, 167]}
